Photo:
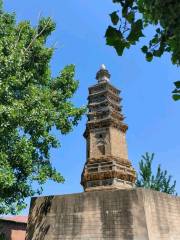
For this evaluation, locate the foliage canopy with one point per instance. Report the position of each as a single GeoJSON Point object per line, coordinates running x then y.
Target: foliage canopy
{"type": "Point", "coordinates": [134, 16]}
{"type": "Point", "coordinates": [161, 181]}
{"type": "Point", "coordinates": [32, 103]}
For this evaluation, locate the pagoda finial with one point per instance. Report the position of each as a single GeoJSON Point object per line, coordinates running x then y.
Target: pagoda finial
{"type": "Point", "coordinates": [103, 75]}
{"type": "Point", "coordinates": [103, 67]}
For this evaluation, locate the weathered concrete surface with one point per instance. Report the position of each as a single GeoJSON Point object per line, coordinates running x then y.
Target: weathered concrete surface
{"type": "Point", "coordinates": [135, 214]}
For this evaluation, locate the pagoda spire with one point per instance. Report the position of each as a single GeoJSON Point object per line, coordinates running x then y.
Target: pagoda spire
{"type": "Point", "coordinates": [103, 74]}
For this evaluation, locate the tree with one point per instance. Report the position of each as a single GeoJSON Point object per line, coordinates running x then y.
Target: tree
{"type": "Point", "coordinates": [161, 181]}
{"type": "Point", "coordinates": [32, 103]}
{"type": "Point", "coordinates": [134, 16]}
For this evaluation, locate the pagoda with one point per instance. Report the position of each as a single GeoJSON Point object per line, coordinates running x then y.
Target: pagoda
{"type": "Point", "coordinates": [107, 165]}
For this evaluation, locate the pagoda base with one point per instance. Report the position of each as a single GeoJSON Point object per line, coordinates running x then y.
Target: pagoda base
{"type": "Point", "coordinates": [107, 173]}
{"type": "Point", "coordinates": [131, 214]}
{"type": "Point", "coordinates": [108, 184]}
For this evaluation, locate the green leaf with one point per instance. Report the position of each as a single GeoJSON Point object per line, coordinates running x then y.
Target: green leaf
{"type": "Point", "coordinates": [158, 30]}
{"type": "Point", "coordinates": [144, 49]}
{"type": "Point", "coordinates": [155, 40]}
{"type": "Point", "coordinates": [149, 56]}
{"type": "Point", "coordinates": [177, 84]}
{"type": "Point", "coordinates": [176, 91]}
{"type": "Point", "coordinates": [115, 38]}
{"type": "Point", "coordinates": [114, 18]}
{"type": "Point", "coordinates": [176, 97]}
{"type": "Point", "coordinates": [157, 53]}
{"type": "Point", "coordinates": [130, 17]}
{"type": "Point", "coordinates": [120, 49]}
{"type": "Point", "coordinates": [136, 31]}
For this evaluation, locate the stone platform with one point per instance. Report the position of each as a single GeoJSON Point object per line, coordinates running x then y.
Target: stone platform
{"type": "Point", "coordinates": [133, 214]}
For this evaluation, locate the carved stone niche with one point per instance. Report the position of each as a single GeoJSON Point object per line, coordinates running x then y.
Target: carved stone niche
{"type": "Point", "coordinates": [101, 142]}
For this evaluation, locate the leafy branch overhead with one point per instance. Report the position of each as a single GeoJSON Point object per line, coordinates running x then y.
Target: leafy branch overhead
{"type": "Point", "coordinates": [134, 16]}
{"type": "Point", "coordinates": [32, 104]}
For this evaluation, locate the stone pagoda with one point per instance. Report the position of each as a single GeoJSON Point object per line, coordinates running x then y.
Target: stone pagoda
{"type": "Point", "coordinates": [107, 165]}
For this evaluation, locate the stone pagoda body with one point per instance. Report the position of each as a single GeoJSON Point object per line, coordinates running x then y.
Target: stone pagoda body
{"type": "Point", "coordinates": [107, 165]}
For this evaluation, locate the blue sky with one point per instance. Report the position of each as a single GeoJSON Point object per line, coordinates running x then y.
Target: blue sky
{"type": "Point", "coordinates": [153, 117]}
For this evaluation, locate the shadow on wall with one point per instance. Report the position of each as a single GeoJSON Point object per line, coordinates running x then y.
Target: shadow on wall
{"type": "Point", "coordinates": [38, 225]}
